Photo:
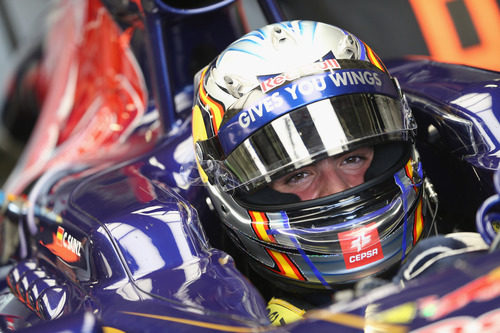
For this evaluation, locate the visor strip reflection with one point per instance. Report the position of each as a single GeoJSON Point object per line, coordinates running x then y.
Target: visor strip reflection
{"type": "Point", "coordinates": [327, 123]}
{"type": "Point", "coordinates": [405, 208]}
{"type": "Point", "coordinates": [290, 138]}
{"type": "Point", "coordinates": [316, 272]}
{"type": "Point", "coordinates": [255, 157]}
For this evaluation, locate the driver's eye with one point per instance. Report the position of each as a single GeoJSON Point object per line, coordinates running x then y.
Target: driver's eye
{"type": "Point", "coordinates": [297, 177]}
{"type": "Point", "coordinates": [353, 159]}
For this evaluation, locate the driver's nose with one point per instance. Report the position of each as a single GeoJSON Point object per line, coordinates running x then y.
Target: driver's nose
{"type": "Point", "coordinates": [331, 179]}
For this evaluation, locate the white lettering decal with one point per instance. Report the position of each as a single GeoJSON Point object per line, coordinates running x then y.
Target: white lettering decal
{"type": "Point", "coordinates": [71, 243]}
{"type": "Point", "coordinates": [358, 78]}
{"type": "Point", "coordinates": [291, 90]}
{"type": "Point", "coordinates": [245, 118]}
{"type": "Point", "coordinates": [277, 100]}
{"type": "Point", "coordinates": [304, 87]}
{"type": "Point", "coordinates": [338, 79]}
{"type": "Point", "coordinates": [363, 255]}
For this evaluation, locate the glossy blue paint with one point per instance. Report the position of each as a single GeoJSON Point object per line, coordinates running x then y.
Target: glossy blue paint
{"type": "Point", "coordinates": [148, 247]}
{"type": "Point", "coordinates": [457, 109]}
{"type": "Point", "coordinates": [464, 100]}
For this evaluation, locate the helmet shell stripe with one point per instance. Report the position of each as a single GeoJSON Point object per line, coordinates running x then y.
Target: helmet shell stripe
{"type": "Point", "coordinates": [374, 59]}
{"type": "Point", "coordinates": [418, 225]}
{"type": "Point", "coordinates": [199, 134]}
{"type": "Point", "coordinates": [404, 190]}
{"type": "Point", "coordinates": [305, 257]}
{"type": "Point", "coordinates": [215, 108]}
{"type": "Point", "coordinates": [285, 265]}
{"type": "Point", "coordinates": [260, 225]}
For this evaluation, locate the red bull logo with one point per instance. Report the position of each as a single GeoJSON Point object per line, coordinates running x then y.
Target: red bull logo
{"type": "Point", "coordinates": [278, 80]}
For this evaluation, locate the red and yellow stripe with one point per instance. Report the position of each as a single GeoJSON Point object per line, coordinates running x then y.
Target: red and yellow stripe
{"type": "Point", "coordinates": [60, 232]}
{"type": "Point", "coordinates": [260, 225]}
{"type": "Point", "coordinates": [199, 131]}
{"type": "Point", "coordinates": [215, 108]}
{"type": "Point", "coordinates": [409, 173]}
{"type": "Point", "coordinates": [286, 267]}
{"type": "Point", "coordinates": [418, 223]}
{"type": "Point", "coordinates": [374, 59]}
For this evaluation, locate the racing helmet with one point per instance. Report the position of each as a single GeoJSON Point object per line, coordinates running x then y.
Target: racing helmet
{"type": "Point", "coordinates": [283, 97]}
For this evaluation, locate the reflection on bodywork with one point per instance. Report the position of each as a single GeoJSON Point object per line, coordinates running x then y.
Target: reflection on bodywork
{"type": "Point", "coordinates": [486, 123]}
{"type": "Point", "coordinates": [141, 254]}
{"type": "Point", "coordinates": [173, 220]}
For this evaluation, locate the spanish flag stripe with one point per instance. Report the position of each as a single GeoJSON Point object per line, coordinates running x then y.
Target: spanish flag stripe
{"type": "Point", "coordinates": [409, 173]}
{"type": "Point", "coordinates": [199, 131]}
{"type": "Point", "coordinates": [285, 265]}
{"type": "Point", "coordinates": [409, 169]}
{"type": "Point", "coordinates": [418, 225]}
{"type": "Point", "coordinates": [260, 225]}
{"type": "Point", "coordinates": [216, 110]}
{"type": "Point", "coordinates": [60, 232]}
{"type": "Point", "coordinates": [374, 59]}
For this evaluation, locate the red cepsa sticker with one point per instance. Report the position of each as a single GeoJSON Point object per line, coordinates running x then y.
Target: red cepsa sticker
{"type": "Point", "coordinates": [361, 246]}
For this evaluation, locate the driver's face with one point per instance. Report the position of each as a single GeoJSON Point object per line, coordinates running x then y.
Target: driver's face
{"type": "Point", "coordinates": [331, 175]}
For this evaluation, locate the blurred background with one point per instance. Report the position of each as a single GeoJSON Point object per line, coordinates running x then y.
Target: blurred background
{"type": "Point", "coordinates": [21, 27]}
{"type": "Point", "coordinates": [20, 22]}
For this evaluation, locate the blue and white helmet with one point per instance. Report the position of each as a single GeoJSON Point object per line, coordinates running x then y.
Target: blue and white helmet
{"type": "Point", "coordinates": [283, 97]}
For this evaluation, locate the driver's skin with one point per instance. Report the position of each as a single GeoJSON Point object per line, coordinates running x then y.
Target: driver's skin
{"type": "Point", "coordinates": [328, 176]}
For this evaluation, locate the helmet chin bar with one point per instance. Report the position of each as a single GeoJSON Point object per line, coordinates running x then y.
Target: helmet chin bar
{"type": "Point", "coordinates": [279, 236]}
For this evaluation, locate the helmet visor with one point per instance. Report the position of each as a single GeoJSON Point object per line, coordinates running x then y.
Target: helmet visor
{"type": "Point", "coordinates": [324, 128]}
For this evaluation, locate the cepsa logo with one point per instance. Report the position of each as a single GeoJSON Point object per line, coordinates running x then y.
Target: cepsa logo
{"type": "Point", "coordinates": [361, 246]}
{"type": "Point", "coordinates": [278, 80]}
